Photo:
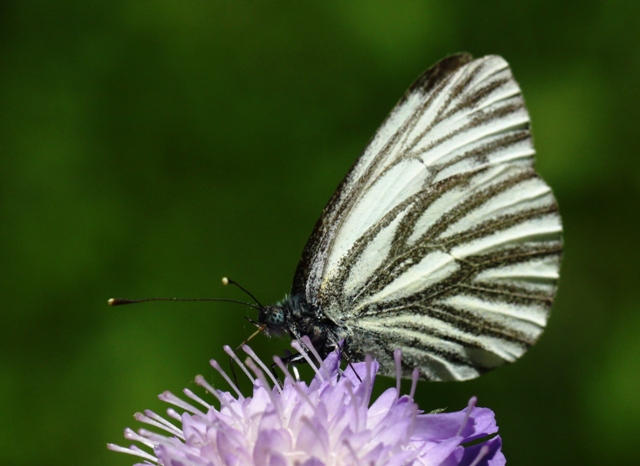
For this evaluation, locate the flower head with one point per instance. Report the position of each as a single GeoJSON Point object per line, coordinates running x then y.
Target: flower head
{"type": "Point", "coordinates": [327, 422]}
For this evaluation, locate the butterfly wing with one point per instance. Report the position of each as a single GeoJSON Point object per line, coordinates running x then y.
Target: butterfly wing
{"type": "Point", "coordinates": [442, 240]}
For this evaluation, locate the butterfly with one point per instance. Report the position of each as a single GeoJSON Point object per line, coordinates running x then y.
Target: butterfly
{"type": "Point", "coordinates": [441, 241]}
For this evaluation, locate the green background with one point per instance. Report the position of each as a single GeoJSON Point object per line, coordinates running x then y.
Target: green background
{"type": "Point", "coordinates": [151, 147]}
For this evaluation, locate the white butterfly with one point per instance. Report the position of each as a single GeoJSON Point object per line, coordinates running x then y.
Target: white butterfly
{"type": "Point", "coordinates": [441, 241]}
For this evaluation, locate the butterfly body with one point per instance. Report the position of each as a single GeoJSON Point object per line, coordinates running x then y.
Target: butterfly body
{"type": "Point", "coordinates": [295, 317]}
{"type": "Point", "coordinates": [442, 240]}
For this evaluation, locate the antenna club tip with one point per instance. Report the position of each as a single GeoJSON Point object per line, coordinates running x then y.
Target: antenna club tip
{"type": "Point", "coordinates": [225, 281]}
{"type": "Point", "coordinates": [120, 301]}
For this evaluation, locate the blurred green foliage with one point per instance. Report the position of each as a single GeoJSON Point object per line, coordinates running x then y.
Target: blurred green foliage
{"type": "Point", "coordinates": [149, 148]}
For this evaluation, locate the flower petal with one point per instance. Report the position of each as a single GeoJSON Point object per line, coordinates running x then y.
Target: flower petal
{"type": "Point", "coordinates": [493, 456]}
{"type": "Point", "coordinates": [329, 422]}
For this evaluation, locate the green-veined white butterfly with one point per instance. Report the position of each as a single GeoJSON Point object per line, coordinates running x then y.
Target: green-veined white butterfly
{"type": "Point", "coordinates": [441, 241]}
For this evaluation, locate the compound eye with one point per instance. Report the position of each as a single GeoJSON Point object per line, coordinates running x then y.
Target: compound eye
{"type": "Point", "coordinates": [275, 318]}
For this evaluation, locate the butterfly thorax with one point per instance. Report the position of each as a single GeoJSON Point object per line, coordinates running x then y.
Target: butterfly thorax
{"type": "Point", "coordinates": [296, 317]}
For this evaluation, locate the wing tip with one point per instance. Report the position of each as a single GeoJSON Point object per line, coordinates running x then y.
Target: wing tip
{"type": "Point", "coordinates": [439, 71]}
{"type": "Point", "coordinates": [448, 65]}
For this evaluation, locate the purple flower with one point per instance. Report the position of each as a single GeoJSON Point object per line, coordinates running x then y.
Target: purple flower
{"type": "Point", "coordinates": [327, 422]}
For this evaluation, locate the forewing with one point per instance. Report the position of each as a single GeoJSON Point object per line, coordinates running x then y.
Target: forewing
{"type": "Point", "coordinates": [376, 157]}
{"type": "Point", "coordinates": [442, 240]}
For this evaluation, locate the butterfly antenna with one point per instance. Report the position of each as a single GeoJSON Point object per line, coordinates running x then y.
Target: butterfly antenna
{"type": "Point", "coordinates": [227, 281]}
{"type": "Point", "coordinates": [251, 321]}
{"type": "Point", "coordinates": [121, 301]}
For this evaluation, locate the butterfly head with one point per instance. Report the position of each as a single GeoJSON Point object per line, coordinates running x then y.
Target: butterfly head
{"type": "Point", "coordinates": [274, 319]}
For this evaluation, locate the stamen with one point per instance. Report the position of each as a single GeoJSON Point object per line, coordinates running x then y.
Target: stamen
{"type": "Point", "coordinates": [304, 353]}
{"type": "Point", "coordinates": [368, 382]}
{"type": "Point", "coordinates": [412, 424]}
{"type": "Point", "coordinates": [397, 357]}
{"type": "Point", "coordinates": [470, 406]}
{"type": "Point", "coordinates": [217, 367]}
{"type": "Point", "coordinates": [229, 351]}
{"type": "Point", "coordinates": [278, 362]}
{"type": "Point", "coordinates": [173, 414]}
{"type": "Point", "coordinates": [353, 453]}
{"type": "Point", "coordinates": [162, 420]}
{"type": "Point", "coordinates": [484, 450]}
{"type": "Point", "coordinates": [170, 398]}
{"type": "Point", "coordinates": [307, 342]}
{"type": "Point", "coordinates": [154, 437]}
{"type": "Point", "coordinates": [160, 425]}
{"type": "Point", "coordinates": [262, 365]}
{"type": "Point", "coordinates": [295, 386]}
{"type": "Point", "coordinates": [196, 398]}
{"type": "Point", "coordinates": [305, 420]}
{"type": "Point", "coordinates": [132, 451]}
{"type": "Point", "coordinates": [129, 434]}
{"type": "Point", "coordinates": [415, 376]}
{"type": "Point", "coordinates": [142, 453]}
{"type": "Point", "coordinates": [259, 374]}
{"type": "Point", "coordinates": [200, 380]}
{"type": "Point", "coordinates": [356, 408]}
{"type": "Point", "coordinates": [276, 400]}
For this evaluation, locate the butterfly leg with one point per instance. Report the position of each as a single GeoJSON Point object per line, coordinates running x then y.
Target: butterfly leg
{"type": "Point", "coordinates": [288, 360]}
{"type": "Point", "coordinates": [339, 345]}
{"type": "Point", "coordinates": [347, 359]}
